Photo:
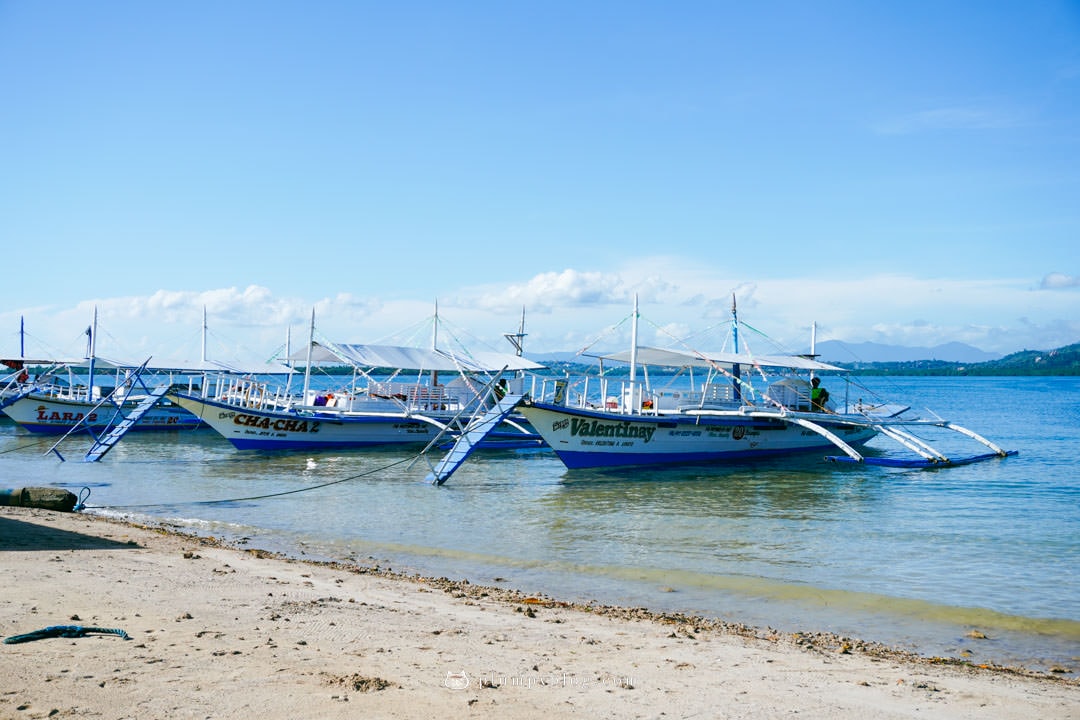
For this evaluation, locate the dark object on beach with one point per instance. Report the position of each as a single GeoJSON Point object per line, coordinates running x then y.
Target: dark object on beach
{"type": "Point", "coordinates": [64, 631]}
{"type": "Point", "coordinates": [39, 497]}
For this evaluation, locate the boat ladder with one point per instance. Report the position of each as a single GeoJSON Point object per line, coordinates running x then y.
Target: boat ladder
{"type": "Point", "coordinates": [105, 443]}
{"type": "Point", "coordinates": [478, 428]}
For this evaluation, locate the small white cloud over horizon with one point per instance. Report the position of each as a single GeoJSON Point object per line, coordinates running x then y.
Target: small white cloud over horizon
{"type": "Point", "coordinates": [1059, 281]}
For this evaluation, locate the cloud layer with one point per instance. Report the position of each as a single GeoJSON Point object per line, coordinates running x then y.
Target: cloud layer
{"type": "Point", "coordinates": [571, 309]}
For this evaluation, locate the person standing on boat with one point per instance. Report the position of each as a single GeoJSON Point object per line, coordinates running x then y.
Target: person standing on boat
{"type": "Point", "coordinates": [818, 396]}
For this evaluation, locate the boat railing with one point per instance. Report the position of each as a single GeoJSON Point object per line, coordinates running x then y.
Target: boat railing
{"type": "Point", "coordinates": [64, 391]}
{"type": "Point", "coordinates": [617, 396]}
{"type": "Point", "coordinates": [245, 392]}
{"type": "Point", "coordinates": [713, 396]}
{"type": "Point", "coordinates": [416, 397]}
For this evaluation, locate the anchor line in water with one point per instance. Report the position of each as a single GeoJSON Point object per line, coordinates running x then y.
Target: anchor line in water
{"type": "Point", "coordinates": [252, 497]}
{"type": "Point", "coordinates": [31, 444]}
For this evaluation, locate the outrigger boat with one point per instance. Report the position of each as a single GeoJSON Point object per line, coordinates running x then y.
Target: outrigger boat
{"type": "Point", "coordinates": [731, 416]}
{"type": "Point", "coordinates": [399, 408]}
{"type": "Point", "coordinates": [97, 395]}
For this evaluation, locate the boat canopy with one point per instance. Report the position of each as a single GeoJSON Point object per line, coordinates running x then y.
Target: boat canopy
{"type": "Point", "coordinates": [20, 362]}
{"type": "Point", "coordinates": [216, 366]}
{"type": "Point", "coordinates": [412, 358]}
{"type": "Point", "coordinates": [685, 358]}
{"type": "Point", "coordinates": [164, 366]}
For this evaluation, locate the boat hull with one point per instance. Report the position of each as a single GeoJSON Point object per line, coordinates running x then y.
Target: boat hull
{"type": "Point", "coordinates": [590, 439]}
{"type": "Point", "coordinates": [55, 416]}
{"type": "Point", "coordinates": [252, 428]}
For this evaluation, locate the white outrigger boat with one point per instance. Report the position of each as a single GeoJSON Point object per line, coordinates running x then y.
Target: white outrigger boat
{"type": "Point", "coordinates": [726, 418]}
{"type": "Point", "coordinates": [107, 398]}
{"type": "Point", "coordinates": [373, 410]}
{"type": "Point", "coordinates": [87, 399]}
{"type": "Point", "coordinates": [51, 406]}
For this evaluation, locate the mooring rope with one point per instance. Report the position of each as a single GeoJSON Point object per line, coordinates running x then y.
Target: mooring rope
{"type": "Point", "coordinates": [251, 497]}
{"type": "Point", "coordinates": [24, 446]}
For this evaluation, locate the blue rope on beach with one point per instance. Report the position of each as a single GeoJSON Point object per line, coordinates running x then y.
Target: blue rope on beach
{"type": "Point", "coordinates": [64, 631]}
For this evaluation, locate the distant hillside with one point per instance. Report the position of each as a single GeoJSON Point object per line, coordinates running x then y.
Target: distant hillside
{"type": "Point", "coordinates": [1062, 361]}
{"type": "Point", "coordinates": [832, 351]}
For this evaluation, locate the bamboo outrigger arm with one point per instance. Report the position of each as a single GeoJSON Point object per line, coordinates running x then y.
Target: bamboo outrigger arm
{"type": "Point", "coordinates": [912, 443]}
{"type": "Point", "coordinates": [976, 436]}
{"type": "Point", "coordinates": [824, 432]}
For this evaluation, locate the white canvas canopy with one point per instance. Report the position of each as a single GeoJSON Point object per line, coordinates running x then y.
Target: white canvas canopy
{"type": "Point", "coordinates": [412, 358]}
{"type": "Point", "coordinates": [164, 366]}
{"type": "Point", "coordinates": [684, 358]}
{"type": "Point", "coordinates": [201, 366]}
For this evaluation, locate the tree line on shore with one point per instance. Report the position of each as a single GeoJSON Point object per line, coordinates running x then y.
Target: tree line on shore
{"type": "Point", "coordinates": [1062, 361]}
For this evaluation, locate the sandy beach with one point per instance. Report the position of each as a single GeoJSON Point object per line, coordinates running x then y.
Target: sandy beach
{"type": "Point", "coordinates": [224, 632]}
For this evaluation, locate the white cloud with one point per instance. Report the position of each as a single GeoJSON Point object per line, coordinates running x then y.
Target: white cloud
{"type": "Point", "coordinates": [1058, 281]}
{"type": "Point", "coordinates": [547, 291]}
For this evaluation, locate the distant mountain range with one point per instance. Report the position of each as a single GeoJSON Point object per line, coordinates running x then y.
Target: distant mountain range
{"type": "Point", "coordinates": [877, 359]}
{"type": "Point", "coordinates": [833, 351]}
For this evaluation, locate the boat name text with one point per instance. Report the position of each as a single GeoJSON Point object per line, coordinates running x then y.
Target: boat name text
{"type": "Point", "coordinates": [44, 415]}
{"type": "Point", "coordinates": [595, 428]}
{"type": "Point", "coordinates": [281, 424]}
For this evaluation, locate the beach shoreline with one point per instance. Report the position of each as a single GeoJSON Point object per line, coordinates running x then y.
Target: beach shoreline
{"type": "Point", "coordinates": [219, 630]}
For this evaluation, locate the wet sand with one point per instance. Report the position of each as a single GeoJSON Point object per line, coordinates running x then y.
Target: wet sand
{"type": "Point", "coordinates": [224, 632]}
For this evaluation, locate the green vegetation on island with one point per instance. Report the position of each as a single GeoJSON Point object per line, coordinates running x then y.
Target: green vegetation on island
{"type": "Point", "coordinates": [1062, 361]}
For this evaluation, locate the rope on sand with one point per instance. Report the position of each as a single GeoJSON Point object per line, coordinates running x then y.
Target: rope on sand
{"type": "Point", "coordinates": [64, 631]}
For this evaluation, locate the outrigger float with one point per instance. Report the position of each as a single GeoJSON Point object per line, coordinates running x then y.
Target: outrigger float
{"type": "Point", "coordinates": [748, 407]}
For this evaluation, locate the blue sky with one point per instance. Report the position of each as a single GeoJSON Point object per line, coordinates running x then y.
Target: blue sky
{"type": "Point", "coordinates": [906, 173]}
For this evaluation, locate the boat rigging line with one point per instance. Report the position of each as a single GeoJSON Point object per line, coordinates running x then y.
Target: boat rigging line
{"type": "Point", "coordinates": [266, 496]}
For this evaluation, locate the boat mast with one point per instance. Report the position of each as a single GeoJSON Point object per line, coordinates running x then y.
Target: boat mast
{"type": "Point", "coordinates": [307, 368]}
{"type": "Point", "coordinates": [203, 356]}
{"type": "Point", "coordinates": [22, 336]}
{"type": "Point", "coordinates": [518, 339]}
{"type": "Point", "coordinates": [288, 363]}
{"type": "Point", "coordinates": [92, 352]}
{"type": "Point", "coordinates": [633, 342]}
{"type": "Point", "coordinates": [435, 341]}
{"type": "Point", "coordinates": [736, 386]}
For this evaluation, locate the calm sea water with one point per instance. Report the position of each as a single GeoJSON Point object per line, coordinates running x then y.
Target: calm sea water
{"type": "Point", "coordinates": [912, 558]}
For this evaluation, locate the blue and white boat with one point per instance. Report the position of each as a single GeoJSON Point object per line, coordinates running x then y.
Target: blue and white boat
{"type": "Point", "coordinates": [95, 394]}
{"type": "Point", "coordinates": [412, 405]}
{"type": "Point", "coordinates": [747, 407]}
